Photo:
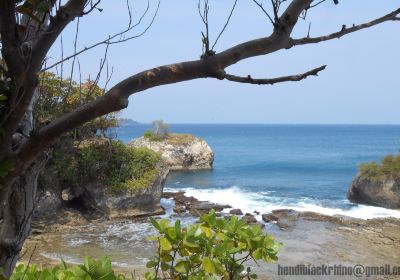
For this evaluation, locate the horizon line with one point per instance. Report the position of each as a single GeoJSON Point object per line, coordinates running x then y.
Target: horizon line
{"type": "Point", "coordinates": [255, 123]}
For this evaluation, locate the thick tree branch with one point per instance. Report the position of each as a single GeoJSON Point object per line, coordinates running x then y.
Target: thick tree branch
{"type": "Point", "coordinates": [347, 30]}
{"type": "Point", "coordinates": [27, 84]}
{"type": "Point", "coordinates": [292, 78]}
{"type": "Point", "coordinates": [66, 14]}
{"type": "Point", "coordinates": [9, 40]}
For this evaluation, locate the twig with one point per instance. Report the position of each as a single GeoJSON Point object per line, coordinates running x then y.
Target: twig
{"type": "Point", "coordinates": [292, 78]}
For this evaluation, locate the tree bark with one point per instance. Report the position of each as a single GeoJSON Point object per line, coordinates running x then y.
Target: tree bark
{"type": "Point", "coordinates": [16, 208]}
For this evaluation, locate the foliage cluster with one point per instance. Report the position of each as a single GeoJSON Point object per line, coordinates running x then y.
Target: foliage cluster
{"type": "Point", "coordinates": [58, 96]}
{"type": "Point", "coordinates": [111, 163]}
{"type": "Point", "coordinates": [214, 248]}
{"type": "Point", "coordinates": [159, 131]}
{"type": "Point", "coordinates": [91, 270]}
{"type": "Point", "coordinates": [389, 168]}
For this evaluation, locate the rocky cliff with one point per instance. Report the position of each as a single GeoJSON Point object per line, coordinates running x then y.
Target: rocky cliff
{"type": "Point", "coordinates": [377, 191]}
{"type": "Point", "coordinates": [180, 151]}
{"type": "Point", "coordinates": [95, 201]}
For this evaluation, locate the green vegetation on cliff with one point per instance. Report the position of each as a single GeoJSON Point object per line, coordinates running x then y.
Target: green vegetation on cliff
{"type": "Point", "coordinates": [388, 168]}
{"type": "Point", "coordinates": [83, 156]}
{"type": "Point", "coordinates": [110, 163]}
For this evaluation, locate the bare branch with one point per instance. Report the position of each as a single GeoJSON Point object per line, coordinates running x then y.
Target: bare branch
{"type": "Point", "coordinates": [292, 78]}
{"type": "Point", "coordinates": [92, 7]}
{"type": "Point", "coordinates": [344, 31]}
{"type": "Point", "coordinates": [66, 14]}
{"type": "Point", "coordinates": [226, 24]}
{"type": "Point", "coordinates": [110, 38]}
{"type": "Point", "coordinates": [264, 11]}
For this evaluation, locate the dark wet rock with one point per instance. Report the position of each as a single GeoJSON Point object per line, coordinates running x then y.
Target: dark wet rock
{"type": "Point", "coordinates": [204, 207]}
{"type": "Point", "coordinates": [249, 218]}
{"type": "Point", "coordinates": [383, 192]}
{"type": "Point", "coordinates": [236, 212]}
{"type": "Point", "coordinates": [269, 218]}
{"type": "Point", "coordinates": [179, 209]}
{"type": "Point", "coordinates": [180, 198]}
{"type": "Point", "coordinates": [193, 205]}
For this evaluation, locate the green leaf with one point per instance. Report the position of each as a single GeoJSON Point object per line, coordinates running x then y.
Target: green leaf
{"type": "Point", "coordinates": [258, 254]}
{"type": "Point", "coordinates": [155, 224]}
{"type": "Point", "coordinates": [3, 97]}
{"type": "Point", "coordinates": [151, 264]}
{"type": "Point", "coordinates": [164, 224]}
{"type": "Point", "coordinates": [165, 244]}
{"type": "Point", "coordinates": [208, 265]}
{"type": "Point", "coordinates": [182, 266]}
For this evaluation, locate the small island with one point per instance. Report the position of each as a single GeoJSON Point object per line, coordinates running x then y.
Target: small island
{"type": "Point", "coordinates": [377, 184]}
{"type": "Point", "coordinates": [179, 151]}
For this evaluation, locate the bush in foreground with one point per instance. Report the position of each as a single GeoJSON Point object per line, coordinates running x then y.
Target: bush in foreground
{"type": "Point", "coordinates": [91, 270]}
{"type": "Point", "coordinates": [214, 248]}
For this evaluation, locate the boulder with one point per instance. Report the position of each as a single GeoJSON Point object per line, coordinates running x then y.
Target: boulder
{"type": "Point", "coordinates": [236, 212]}
{"type": "Point", "coordinates": [268, 218]}
{"type": "Point", "coordinates": [180, 151]}
{"type": "Point", "coordinates": [249, 218]}
{"type": "Point", "coordinates": [383, 192]}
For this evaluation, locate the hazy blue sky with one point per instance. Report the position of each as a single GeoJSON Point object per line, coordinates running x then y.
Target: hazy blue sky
{"type": "Point", "coordinates": [360, 85]}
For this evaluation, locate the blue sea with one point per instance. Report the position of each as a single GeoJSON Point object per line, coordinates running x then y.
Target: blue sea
{"type": "Point", "coordinates": [266, 167]}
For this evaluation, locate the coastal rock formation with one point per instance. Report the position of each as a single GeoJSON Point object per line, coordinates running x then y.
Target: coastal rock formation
{"type": "Point", "coordinates": [180, 151]}
{"type": "Point", "coordinates": [383, 192]}
{"type": "Point", "coordinates": [192, 205]}
{"type": "Point", "coordinates": [94, 201]}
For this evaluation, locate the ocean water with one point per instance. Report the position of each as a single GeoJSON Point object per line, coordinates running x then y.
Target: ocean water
{"type": "Point", "coordinates": [266, 167]}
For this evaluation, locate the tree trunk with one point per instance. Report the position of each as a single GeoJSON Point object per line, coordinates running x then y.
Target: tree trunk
{"type": "Point", "coordinates": [17, 203]}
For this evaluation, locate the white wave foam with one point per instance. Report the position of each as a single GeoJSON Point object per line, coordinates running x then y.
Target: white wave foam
{"type": "Point", "coordinates": [249, 202]}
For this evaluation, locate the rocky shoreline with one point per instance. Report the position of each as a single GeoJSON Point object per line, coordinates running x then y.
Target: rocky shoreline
{"type": "Point", "coordinates": [307, 237]}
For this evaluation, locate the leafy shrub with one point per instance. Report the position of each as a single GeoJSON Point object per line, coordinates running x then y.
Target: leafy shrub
{"type": "Point", "coordinates": [214, 248]}
{"type": "Point", "coordinates": [111, 163]}
{"type": "Point", "coordinates": [159, 131]}
{"type": "Point", "coordinates": [148, 134]}
{"type": "Point", "coordinates": [388, 168]}
{"type": "Point", "coordinates": [91, 270]}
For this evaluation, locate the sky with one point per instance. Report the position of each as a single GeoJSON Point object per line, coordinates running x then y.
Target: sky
{"type": "Point", "coordinates": [361, 84]}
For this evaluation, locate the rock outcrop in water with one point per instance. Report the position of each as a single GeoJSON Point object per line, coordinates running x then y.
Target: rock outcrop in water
{"type": "Point", "coordinates": [377, 191]}
{"type": "Point", "coordinates": [180, 151]}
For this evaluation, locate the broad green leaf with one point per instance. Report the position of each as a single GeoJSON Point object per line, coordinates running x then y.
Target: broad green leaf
{"type": "Point", "coordinates": [151, 264]}
{"type": "Point", "coordinates": [165, 244]}
{"type": "Point", "coordinates": [182, 266]}
{"type": "Point", "coordinates": [208, 265]}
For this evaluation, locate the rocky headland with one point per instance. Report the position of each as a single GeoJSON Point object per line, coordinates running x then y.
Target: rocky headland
{"type": "Point", "coordinates": [180, 151]}
{"type": "Point", "coordinates": [383, 192]}
{"type": "Point", "coordinates": [81, 201]}
{"type": "Point", "coordinates": [377, 184]}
